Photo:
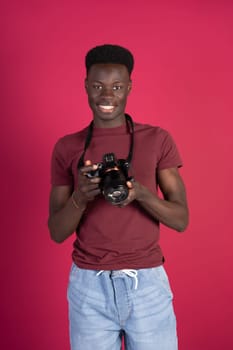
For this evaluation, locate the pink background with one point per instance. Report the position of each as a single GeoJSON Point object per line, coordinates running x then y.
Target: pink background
{"type": "Point", "coordinates": [182, 82]}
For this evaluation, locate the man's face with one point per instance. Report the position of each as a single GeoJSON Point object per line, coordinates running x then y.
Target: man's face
{"type": "Point", "coordinates": [108, 86]}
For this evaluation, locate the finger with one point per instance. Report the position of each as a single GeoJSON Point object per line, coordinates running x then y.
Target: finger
{"type": "Point", "coordinates": [95, 180]}
{"type": "Point", "coordinates": [88, 168]}
{"type": "Point", "coordinates": [89, 187]}
{"type": "Point", "coordinates": [92, 194]}
{"type": "Point", "coordinates": [129, 184]}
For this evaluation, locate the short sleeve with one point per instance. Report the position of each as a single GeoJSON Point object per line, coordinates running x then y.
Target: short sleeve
{"type": "Point", "coordinates": [169, 156]}
{"type": "Point", "coordinates": [61, 172]}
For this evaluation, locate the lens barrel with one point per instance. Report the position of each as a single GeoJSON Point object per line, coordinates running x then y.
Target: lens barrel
{"type": "Point", "coordinates": [113, 185]}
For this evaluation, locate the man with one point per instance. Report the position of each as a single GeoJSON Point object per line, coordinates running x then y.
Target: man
{"type": "Point", "coordinates": [117, 285]}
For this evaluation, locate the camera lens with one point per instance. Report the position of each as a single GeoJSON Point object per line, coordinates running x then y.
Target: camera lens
{"type": "Point", "coordinates": [114, 186]}
{"type": "Point", "coordinates": [116, 195]}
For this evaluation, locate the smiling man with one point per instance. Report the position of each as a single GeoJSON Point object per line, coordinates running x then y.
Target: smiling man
{"type": "Point", "coordinates": [108, 86]}
{"type": "Point", "coordinates": [104, 187]}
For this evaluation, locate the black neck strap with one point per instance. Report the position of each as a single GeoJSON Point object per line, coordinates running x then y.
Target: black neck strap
{"type": "Point", "coordinates": [130, 127]}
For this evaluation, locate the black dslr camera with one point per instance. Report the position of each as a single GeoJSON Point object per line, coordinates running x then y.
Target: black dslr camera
{"type": "Point", "coordinates": [112, 171]}
{"type": "Point", "coordinates": [113, 174]}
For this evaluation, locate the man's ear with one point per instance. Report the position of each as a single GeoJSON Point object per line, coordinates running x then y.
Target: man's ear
{"type": "Point", "coordinates": [129, 86]}
{"type": "Point", "coordinates": [86, 84]}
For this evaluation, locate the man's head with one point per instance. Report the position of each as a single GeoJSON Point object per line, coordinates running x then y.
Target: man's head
{"type": "Point", "coordinates": [108, 83]}
{"type": "Point", "coordinates": [111, 54]}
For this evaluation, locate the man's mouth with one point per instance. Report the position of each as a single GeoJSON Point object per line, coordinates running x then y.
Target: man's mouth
{"type": "Point", "coordinates": [106, 109]}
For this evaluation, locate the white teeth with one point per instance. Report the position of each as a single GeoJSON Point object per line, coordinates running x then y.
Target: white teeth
{"type": "Point", "coordinates": [106, 107]}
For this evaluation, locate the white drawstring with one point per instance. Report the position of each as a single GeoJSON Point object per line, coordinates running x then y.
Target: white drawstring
{"type": "Point", "coordinates": [131, 273]}
{"type": "Point", "coordinates": [99, 273]}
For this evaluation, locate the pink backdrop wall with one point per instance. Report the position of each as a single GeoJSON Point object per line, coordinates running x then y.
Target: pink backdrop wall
{"type": "Point", "coordinates": [182, 82]}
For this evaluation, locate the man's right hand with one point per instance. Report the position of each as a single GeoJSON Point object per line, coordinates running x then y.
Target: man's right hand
{"type": "Point", "coordinates": [66, 209]}
{"type": "Point", "coordinates": [88, 188]}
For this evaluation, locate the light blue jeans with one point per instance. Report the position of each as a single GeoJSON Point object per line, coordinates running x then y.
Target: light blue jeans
{"type": "Point", "coordinates": [106, 305]}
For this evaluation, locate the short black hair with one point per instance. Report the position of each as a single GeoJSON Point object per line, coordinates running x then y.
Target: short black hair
{"type": "Point", "coordinates": [108, 53]}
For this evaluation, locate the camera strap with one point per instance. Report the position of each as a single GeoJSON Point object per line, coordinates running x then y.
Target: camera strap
{"type": "Point", "coordinates": [130, 126]}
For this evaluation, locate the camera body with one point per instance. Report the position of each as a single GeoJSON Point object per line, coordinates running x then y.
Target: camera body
{"type": "Point", "coordinates": [114, 174]}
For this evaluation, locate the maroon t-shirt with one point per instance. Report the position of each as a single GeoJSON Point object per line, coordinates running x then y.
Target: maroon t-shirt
{"type": "Point", "coordinates": [109, 237]}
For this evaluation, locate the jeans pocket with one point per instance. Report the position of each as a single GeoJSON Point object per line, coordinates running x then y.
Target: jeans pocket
{"type": "Point", "coordinates": [162, 279]}
{"type": "Point", "coordinates": [74, 270]}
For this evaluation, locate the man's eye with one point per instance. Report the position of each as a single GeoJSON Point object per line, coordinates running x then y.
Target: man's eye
{"type": "Point", "coordinates": [117, 87]}
{"type": "Point", "coordinates": [97, 87]}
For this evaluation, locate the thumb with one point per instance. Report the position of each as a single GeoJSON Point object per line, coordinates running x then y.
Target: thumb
{"type": "Point", "coordinates": [129, 184]}
{"type": "Point", "coordinates": [87, 162]}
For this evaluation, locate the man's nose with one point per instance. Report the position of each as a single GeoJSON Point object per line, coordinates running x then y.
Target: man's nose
{"type": "Point", "coordinates": [107, 92]}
